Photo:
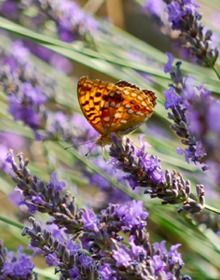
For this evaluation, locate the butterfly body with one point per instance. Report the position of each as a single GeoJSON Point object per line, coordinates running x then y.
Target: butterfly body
{"type": "Point", "coordinates": [120, 108]}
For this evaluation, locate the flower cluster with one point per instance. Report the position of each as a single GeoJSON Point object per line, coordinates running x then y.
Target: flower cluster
{"type": "Point", "coordinates": [29, 93]}
{"type": "Point", "coordinates": [15, 267]}
{"type": "Point", "coordinates": [99, 247]}
{"type": "Point", "coordinates": [193, 114]}
{"type": "Point", "coordinates": [27, 90]}
{"type": "Point", "coordinates": [38, 196]}
{"type": "Point", "coordinates": [184, 16]}
{"type": "Point", "coordinates": [145, 171]}
{"type": "Point", "coordinates": [195, 40]}
{"type": "Point", "coordinates": [71, 22]}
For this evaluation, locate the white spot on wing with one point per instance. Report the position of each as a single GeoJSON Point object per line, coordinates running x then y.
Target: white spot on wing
{"type": "Point", "coordinates": [144, 104]}
{"type": "Point", "coordinates": [139, 113]}
{"type": "Point", "coordinates": [139, 98]}
{"type": "Point", "coordinates": [117, 115]}
{"type": "Point", "coordinates": [126, 92]}
{"type": "Point", "coordinates": [130, 111]}
{"type": "Point", "coordinates": [106, 119]}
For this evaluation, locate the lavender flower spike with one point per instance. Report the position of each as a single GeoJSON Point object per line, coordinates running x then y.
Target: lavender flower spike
{"type": "Point", "coordinates": [185, 18]}
{"type": "Point", "coordinates": [145, 171]}
{"type": "Point", "coordinates": [15, 267]}
{"type": "Point", "coordinates": [44, 197]}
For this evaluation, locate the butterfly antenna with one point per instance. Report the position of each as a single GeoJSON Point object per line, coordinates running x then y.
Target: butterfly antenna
{"type": "Point", "coordinates": [81, 144]}
{"type": "Point", "coordinates": [66, 148]}
{"type": "Point", "coordinates": [90, 149]}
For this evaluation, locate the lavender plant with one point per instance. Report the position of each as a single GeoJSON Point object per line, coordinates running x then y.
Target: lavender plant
{"type": "Point", "coordinates": [193, 38]}
{"type": "Point", "coordinates": [94, 219]}
{"type": "Point", "coordinates": [84, 245]}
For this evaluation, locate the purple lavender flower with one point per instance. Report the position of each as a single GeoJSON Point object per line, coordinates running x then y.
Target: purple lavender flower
{"type": "Point", "coordinates": [193, 112]}
{"type": "Point", "coordinates": [99, 248]}
{"type": "Point", "coordinates": [106, 272]}
{"type": "Point", "coordinates": [185, 18]}
{"type": "Point", "coordinates": [27, 89]}
{"type": "Point", "coordinates": [179, 98]}
{"type": "Point", "coordinates": [26, 106]}
{"type": "Point", "coordinates": [156, 7]}
{"type": "Point", "coordinates": [90, 221]}
{"type": "Point", "coordinates": [71, 21]}
{"type": "Point", "coordinates": [76, 130]}
{"type": "Point", "coordinates": [39, 196]}
{"type": "Point", "coordinates": [145, 173]}
{"type": "Point", "coordinates": [131, 215]}
{"type": "Point", "coordinates": [15, 267]}
{"type": "Point", "coordinates": [111, 257]}
{"type": "Point", "coordinates": [122, 257]}
{"type": "Point", "coordinates": [172, 99]}
{"type": "Point", "coordinates": [54, 59]}
{"type": "Point", "coordinates": [9, 9]}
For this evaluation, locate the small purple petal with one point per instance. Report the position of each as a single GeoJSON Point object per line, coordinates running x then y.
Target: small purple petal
{"type": "Point", "coordinates": [90, 221]}
{"type": "Point", "coordinates": [168, 68]}
{"type": "Point", "coordinates": [122, 257]}
{"type": "Point", "coordinates": [172, 99]}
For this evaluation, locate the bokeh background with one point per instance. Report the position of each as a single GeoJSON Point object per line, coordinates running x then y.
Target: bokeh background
{"type": "Point", "coordinates": [109, 40]}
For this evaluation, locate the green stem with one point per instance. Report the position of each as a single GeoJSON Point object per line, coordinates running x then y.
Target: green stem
{"type": "Point", "coordinates": [213, 68]}
{"type": "Point", "coordinates": [212, 209]}
{"type": "Point", "coordinates": [10, 222]}
{"type": "Point", "coordinates": [216, 72]}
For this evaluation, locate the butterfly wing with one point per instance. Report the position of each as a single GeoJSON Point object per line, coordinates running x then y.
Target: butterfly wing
{"type": "Point", "coordinates": [127, 108]}
{"type": "Point", "coordinates": [119, 108]}
{"type": "Point", "coordinates": [92, 95]}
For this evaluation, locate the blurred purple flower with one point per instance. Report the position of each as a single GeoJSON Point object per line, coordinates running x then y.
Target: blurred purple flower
{"type": "Point", "coordinates": [56, 60]}
{"type": "Point", "coordinates": [106, 272]}
{"type": "Point", "coordinates": [158, 264]}
{"type": "Point", "coordinates": [74, 274]}
{"type": "Point", "coordinates": [55, 184]}
{"type": "Point", "coordinates": [156, 7]}
{"type": "Point", "coordinates": [193, 37]}
{"type": "Point", "coordinates": [100, 236]}
{"type": "Point", "coordinates": [174, 256]}
{"type": "Point", "coordinates": [137, 252]}
{"type": "Point", "coordinates": [138, 163]}
{"type": "Point", "coordinates": [188, 104]}
{"type": "Point", "coordinates": [90, 221]}
{"type": "Point", "coordinates": [168, 68]}
{"type": "Point", "coordinates": [164, 258]}
{"type": "Point", "coordinates": [177, 11]}
{"type": "Point", "coordinates": [132, 214]}
{"type": "Point", "coordinates": [9, 9]}
{"type": "Point", "coordinates": [121, 257]}
{"type": "Point", "coordinates": [72, 22]}
{"type": "Point", "coordinates": [86, 261]}
{"type": "Point", "coordinates": [172, 99]}
{"type": "Point", "coordinates": [16, 267]}
{"type": "Point", "coordinates": [26, 106]}
{"type": "Point", "coordinates": [170, 187]}
{"type": "Point", "coordinates": [175, 14]}
{"type": "Point", "coordinates": [213, 115]}
{"type": "Point", "coordinates": [52, 259]}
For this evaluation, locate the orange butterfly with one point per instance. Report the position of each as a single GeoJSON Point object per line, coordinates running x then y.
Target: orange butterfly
{"type": "Point", "coordinates": [119, 108]}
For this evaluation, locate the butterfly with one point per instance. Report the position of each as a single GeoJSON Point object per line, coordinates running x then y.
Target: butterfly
{"type": "Point", "coordinates": [114, 108]}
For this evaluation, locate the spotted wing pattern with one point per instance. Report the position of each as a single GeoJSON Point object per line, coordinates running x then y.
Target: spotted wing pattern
{"type": "Point", "coordinates": [118, 108]}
